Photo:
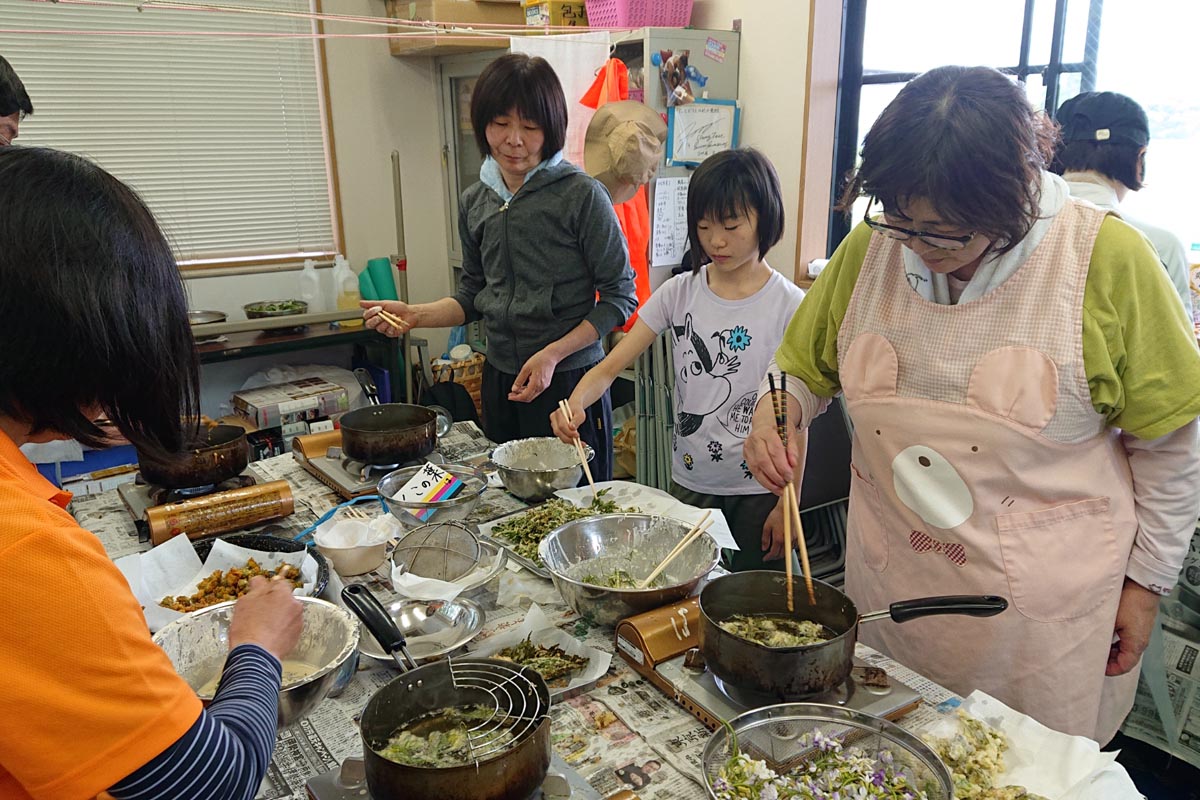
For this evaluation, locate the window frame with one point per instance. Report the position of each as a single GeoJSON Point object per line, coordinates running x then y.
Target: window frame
{"type": "Point", "coordinates": [852, 77]}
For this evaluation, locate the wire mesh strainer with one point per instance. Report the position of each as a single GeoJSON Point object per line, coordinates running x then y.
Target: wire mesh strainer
{"type": "Point", "coordinates": [443, 551]}
{"type": "Point", "coordinates": [783, 737]}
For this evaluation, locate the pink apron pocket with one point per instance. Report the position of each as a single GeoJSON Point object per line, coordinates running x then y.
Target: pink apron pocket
{"type": "Point", "coordinates": [1061, 562]}
{"type": "Point", "coordinates": [865, 521]}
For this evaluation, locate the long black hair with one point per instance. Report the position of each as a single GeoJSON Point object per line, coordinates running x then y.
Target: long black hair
{"type": "Point", "coordinates": [93, 314]}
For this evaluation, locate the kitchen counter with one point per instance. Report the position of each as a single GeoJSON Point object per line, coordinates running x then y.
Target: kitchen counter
{"type": "Point", "coordinates": [623, 722]}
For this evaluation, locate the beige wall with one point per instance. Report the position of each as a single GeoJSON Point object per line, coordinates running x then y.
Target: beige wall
{"type": "Point", "coordinates": [774, 44]}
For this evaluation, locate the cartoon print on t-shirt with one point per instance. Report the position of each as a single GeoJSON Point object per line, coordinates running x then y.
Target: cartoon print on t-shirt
{"type": "Point", "coordinates": [704, 386]}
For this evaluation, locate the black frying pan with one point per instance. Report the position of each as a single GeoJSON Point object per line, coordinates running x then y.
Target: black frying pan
{"type": "Point", "coordinates": [216, 454]}
{"type": "Point", "coordinates": [390, 433]}
{"type": "Point", "coordinates": [799, 673]}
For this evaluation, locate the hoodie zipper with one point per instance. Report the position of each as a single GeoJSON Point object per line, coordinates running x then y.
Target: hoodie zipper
{"type": "Point", "coordinates": [512, 280]}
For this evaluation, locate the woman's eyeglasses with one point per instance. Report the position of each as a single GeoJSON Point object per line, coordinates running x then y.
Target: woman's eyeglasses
{"type": "Point", "coordinates": [938, 240]}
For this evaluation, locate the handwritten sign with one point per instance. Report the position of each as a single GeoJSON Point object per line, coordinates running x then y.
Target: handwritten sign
{"type": "Point", "coordinates": [669, 239]}
{"type": "Point", "coordinates": [700, 129]}
{"type": "Point", "coordinates": [429, 485]}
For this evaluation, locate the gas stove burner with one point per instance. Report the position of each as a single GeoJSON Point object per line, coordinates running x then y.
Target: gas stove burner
{"type": "Point", "coordinates": [160, 496]}
{"type": "Point", "coordinates": [839, 695]}
{"type": "Point", "coordinates": [367, 472]}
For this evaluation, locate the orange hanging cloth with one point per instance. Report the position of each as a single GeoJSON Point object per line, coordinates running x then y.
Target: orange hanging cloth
{"type": "Point", "coordinates": [612, 84]}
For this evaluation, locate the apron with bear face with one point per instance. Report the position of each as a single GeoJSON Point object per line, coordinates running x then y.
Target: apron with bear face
{"type": "Point", "coordinates": [981, 467]}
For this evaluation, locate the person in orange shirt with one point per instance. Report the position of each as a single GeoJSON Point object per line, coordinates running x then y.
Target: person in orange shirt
{"type": "Point", "coordinates": [93, 321]}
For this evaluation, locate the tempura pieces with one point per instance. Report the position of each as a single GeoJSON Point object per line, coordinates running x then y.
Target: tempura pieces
{"type": "Point", "coordinates": [549, 662]}
{"type": "Point", "coordinates": [449, 737]}
{"type": "Point", "coordinates": [775, 630]}
{"type": "Point", "coordinates": [222, 586]}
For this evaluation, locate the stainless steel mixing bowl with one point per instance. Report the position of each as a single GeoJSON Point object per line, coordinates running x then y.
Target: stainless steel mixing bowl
{"type": "Point", "coordinates": [198, 643]}
{"type": "Point", "coordinates": [534, 469]}
{"type": "Point", "coordinates": [647, 539]}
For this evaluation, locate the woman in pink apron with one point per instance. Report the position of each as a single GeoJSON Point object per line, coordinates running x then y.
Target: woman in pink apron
{"type": "Point", "coordinates": [1024, 390]}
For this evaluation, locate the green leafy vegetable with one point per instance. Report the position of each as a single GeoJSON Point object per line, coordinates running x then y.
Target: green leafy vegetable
{"type": "Point", "coordinates": [525, 532]}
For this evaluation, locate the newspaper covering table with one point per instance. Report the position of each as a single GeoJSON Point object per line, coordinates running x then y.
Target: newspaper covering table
{"type": "Point", "coordinates": [622, 734]}
{"type": "Point", "coordinates": [1178, 667]}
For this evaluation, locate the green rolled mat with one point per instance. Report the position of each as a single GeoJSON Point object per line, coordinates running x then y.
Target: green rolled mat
{"type": "Point", "coordinates": [366, 286]}
{"type": "Point", "coordinates": [381, 275]}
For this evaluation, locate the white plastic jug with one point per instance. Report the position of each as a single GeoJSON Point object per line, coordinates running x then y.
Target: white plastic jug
{"type": "Point", "coordinates": [310, 287]}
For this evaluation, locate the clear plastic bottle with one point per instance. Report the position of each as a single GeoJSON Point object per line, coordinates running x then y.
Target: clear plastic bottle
{"type": "Point", "coordinates": [345, 286]}
{"type": "Point", "coordinates": [310, 287]}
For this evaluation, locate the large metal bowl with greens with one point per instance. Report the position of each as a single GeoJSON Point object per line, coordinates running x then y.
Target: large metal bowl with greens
{"type": "Point", "coordinates": [596, 562]}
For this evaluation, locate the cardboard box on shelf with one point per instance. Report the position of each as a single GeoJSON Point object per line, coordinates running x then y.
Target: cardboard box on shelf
{"type": "Point", "coordinates": [471, 13]}
{"type": "Point", "coordinates": [304, 400]}
{"type": "Point", "coordinates": [548, 12]}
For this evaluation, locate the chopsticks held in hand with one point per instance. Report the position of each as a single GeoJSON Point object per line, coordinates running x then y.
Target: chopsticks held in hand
{"type": "Point", "coordinates": [393, 320]}
{"type": "Point", "coordinates": [689, 537]}
{"type": "Point", "coordinates": [791, 506]}
{"type": "Point", "coordinates": [565, 408]}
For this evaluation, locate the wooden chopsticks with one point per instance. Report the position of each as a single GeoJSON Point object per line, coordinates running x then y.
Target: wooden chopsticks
{"type": "Point", "coordinates": [393, 320]}
{"type": "Point", "coordinates": [565, 408]}
{"type": "Point", "coordinates": [791, 506]}
{"type": "Point", "coordinates": [689, 537]}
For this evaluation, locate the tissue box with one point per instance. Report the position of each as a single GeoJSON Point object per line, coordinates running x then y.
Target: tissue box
{"type": "Point", "coordinates": [287, 403]}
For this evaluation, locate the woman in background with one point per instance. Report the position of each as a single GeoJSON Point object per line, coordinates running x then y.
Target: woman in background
{"type": "Point", "coordinates": [544, 262]}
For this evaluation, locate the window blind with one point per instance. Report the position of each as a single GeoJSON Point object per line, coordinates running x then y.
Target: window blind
{"type": "Point", "coordinates": [220, 130]}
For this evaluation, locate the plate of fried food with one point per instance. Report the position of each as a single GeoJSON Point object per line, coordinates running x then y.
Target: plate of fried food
{"type": "Point", "coordinates": [568, 666]}
{"type": "Point", "coordinates": [180, 576]}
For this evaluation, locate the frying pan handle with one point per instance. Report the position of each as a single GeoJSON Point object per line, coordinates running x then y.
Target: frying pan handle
{"type": "Point", "coordinates": [366, 606]}
{"type": "Point", "coordinates": [368, 385]}
{"type": "Point", "coordinates": [445, 420]}
{"type": "Point", "coordinates": [973, 605]}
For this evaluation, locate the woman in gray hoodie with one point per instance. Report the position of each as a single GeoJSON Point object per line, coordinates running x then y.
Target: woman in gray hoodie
{"type": "Point", "coordinates": [545, 265]}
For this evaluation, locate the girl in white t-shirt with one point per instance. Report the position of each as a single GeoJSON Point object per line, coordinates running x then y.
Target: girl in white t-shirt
{"type": "Point", "coordinates": [726, 318]}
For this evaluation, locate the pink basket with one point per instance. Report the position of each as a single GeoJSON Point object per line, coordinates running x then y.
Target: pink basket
{"type": "Point", "coordinates": [638, 13]}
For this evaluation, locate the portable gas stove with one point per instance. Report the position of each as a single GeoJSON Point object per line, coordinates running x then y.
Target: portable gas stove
{"type": "Point", "coordinates": [349, 782]}
{"type": "Point", "coordinates": [663, 647]}
{"type": "Point", "coordinates": [139, 495]}
{"type": "Point", "coordinates": [347, 477]}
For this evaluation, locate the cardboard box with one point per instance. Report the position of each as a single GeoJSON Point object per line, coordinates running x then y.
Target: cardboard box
{"type": "Point", "coordinates": [548, 12]}
{"type": "Point", "coordinates": [460, 12]}
{"type": "Point", "coordinates": [304, 400]}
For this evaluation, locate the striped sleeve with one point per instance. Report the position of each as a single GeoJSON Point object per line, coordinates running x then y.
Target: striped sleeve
{"type": "Point", "coordinates": [224, 755]}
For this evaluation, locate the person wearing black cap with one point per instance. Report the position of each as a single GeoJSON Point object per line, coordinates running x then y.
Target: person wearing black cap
{"type": "Point", "coordinates": [15, 104]}
{"type": "Point", "coordinates": [1102, 156]}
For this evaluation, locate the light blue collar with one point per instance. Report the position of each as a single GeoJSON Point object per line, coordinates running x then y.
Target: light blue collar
{"type": "Point", "coordinates": [489, 173]}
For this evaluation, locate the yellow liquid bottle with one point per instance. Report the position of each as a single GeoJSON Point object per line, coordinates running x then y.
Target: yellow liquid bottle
{"type": "Point", "coordinates": [346, 283]}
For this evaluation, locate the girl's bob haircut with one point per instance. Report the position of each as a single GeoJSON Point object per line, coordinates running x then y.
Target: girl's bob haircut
{"type": "Point", "coordinates": [731, 183]}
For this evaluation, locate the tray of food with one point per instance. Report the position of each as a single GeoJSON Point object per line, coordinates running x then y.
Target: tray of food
{"type": "Point", "coordinates": [522, 532]}
{"type": "Point", "coordinates": [181, 576]}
